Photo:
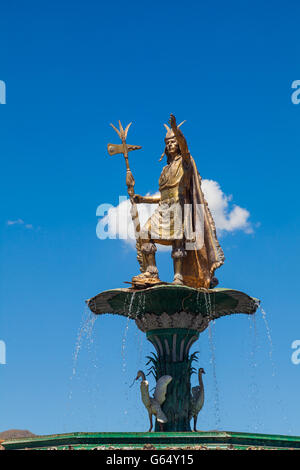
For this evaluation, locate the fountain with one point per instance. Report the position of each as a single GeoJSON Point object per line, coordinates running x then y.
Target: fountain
{"type": "Point", "coordinates": [172, 315]}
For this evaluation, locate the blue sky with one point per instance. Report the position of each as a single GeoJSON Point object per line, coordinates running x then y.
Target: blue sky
{"type": "Point", "coordinates": [70, 69]}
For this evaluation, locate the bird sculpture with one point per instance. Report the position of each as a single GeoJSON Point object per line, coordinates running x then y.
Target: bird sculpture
{"type": "Point", "coordinates": [197, 399]}
{"type": "Point", "coordinates": [153, 404]}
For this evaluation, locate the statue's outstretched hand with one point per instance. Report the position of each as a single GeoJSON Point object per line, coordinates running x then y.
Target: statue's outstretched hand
{"type": "Point", "coordinates": [172, 122]}
{"type": "Point", "coordinates": [137, 199]}
{"type": "Point", "coordinates": [179, 135]}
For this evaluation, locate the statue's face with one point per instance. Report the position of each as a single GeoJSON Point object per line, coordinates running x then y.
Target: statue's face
{"type": "Point", "coordinates": [172, 147]}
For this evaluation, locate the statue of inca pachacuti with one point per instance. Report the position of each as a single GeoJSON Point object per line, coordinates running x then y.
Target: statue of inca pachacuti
{"type": "Point", "coordinates": [182, 220]}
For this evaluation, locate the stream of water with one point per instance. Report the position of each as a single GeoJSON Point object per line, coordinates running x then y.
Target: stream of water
{"type": "Point", "coordinates": [253, 394]}
{"type": "Point", "coordinates": [277, 390]}
{"type": "Point", "coordinates": [210, 307]}
{"type": "Point", "coordinates": [271, 348]}
{"type": "Point", "coordinates": [214, 372]}
{"type": "Point", "coordinates": [84, 338]}
{"type": "Point", "coordinates": [85, 333]}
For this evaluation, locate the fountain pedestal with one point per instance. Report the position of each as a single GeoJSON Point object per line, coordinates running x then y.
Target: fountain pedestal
{"type": "Point", "coordinates": [172, 358]}
{"type": "Point", "coordinates": [172, 318]}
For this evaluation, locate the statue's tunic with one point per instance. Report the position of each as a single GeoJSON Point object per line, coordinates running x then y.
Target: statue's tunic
{"type": "Point", "coordinates": [168, 221]}
{"type": "Point", "coordinates": [183, 214]}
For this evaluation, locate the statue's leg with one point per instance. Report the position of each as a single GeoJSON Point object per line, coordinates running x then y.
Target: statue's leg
{"type": "Point", "coordinates": [149, 249]}
{"type": "Point", "coordinates": [178, 253]}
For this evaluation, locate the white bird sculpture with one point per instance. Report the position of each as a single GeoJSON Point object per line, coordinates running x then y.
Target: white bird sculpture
{"type": "Point", "coordinates": [153, 404]}
{"type": "Point", "coordinates": [197, 398]}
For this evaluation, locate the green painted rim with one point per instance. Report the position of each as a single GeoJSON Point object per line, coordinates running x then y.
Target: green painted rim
{"type": "Point", "coordinates": [209, 439]}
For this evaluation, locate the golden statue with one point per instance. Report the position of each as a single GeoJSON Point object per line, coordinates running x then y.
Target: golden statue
{"type": "Point", "coordinates": [182, 218]}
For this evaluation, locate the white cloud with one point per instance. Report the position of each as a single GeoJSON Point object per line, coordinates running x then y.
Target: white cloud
{"type": "Point", "coordinates": [15, 222]}
{"type": "Point", "coordinates": [228, 217]}
{"type": "Point", "coordinates": [19, 222]}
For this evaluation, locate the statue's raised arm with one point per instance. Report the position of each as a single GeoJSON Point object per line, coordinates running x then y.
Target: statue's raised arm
{"type": "Point", "coordinates": [184, 150]}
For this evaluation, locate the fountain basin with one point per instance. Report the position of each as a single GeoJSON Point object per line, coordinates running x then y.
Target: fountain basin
{"type": "Point", "coordinates": [173, 316]}
{"type": "Point", "coordinates": [172, 306]}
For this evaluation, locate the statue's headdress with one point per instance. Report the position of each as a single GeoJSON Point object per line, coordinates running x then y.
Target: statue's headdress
{"type": "Point", "coordinates": [169, 135]}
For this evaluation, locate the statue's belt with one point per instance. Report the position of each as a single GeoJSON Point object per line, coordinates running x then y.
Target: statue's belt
{"type": "Point", "coordinates": [170, 195]}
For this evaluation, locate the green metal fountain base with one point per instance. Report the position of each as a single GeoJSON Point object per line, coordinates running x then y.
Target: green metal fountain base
{"type": "Point", "coordinates": [173, 316]}
{"type": "Point", "coordinates": [209, 440]}
{"type": "Point", "coordinates": [172, 306]}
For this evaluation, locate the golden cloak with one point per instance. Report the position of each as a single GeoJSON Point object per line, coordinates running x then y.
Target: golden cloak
{"type": "Point", "coordinates": [199, 265]}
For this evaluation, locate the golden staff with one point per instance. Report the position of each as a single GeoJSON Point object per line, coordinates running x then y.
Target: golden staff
{"type": "Point", "coordinates": [124, 148]}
